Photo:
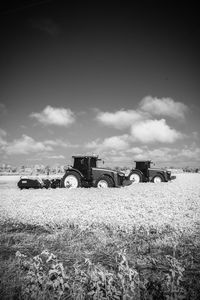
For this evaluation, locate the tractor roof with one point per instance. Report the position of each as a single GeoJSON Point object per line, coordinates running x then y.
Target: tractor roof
{"type": "Point", "coordinates": [85, 156]}
{"type": "Point", "coordinates": [143, 161]}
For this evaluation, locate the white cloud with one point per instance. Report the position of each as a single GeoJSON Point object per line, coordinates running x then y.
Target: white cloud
{"type": "Point", "coordinates": [114, 142]}
{"type": "Point", "coordinates": [56, 156]}
{"type": "Point", "coordinates": [25, 145]}
{"type": "Point", "coordinates": [142, 126]}
{"type": "Point", "coordinates": [120, 119]}
{"type": "Point", "coordinates": [60, 143]}
{"type": "Point", "coordinates": [150, 131]}
{"type": "Point", "coordinates": [190, 153]}
{"type": "Point", "coordinates": [55, 116]}
{"type": "Point", "coordinates": [93, 144]}
{"type": "Point", "coordinates": [163, 107]}
{"type": "Point", "coordinates": [170, 155]}
{"type": "Point", "coordinates": [135, 150]}
{"type": "Point", "coordinates": [148, 107]}
{"type": "Point", "coordinates": [166, 156]}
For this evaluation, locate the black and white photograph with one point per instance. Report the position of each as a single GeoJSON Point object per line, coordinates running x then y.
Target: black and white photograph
{"type": "Point", "coordinates": [99, 150]}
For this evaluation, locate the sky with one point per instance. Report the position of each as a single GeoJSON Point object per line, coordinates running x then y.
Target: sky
{"type": "Point", "coordinates": [110, 78]}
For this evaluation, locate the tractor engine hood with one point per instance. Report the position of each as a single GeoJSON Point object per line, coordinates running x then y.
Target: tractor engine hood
{"type": "Point", "coordinates": [166, 173]}
{"type": "Point", "coordinates": [157, 169]}
{"type": "Point", "coordinates": [108, 171]}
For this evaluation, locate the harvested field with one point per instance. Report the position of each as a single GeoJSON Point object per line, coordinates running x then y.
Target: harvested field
{"type": "Point", "coordinates": [175, 203]}
{"type": "Point", "coordinates": [138, 242]}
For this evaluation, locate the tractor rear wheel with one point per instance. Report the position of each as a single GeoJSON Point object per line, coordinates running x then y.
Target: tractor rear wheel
{"type": "Point", "coordinates": [135, 177]}
{"type": "Point", "coordinates": [104, 182]}
{"type": "Point", "coordinates": [71, 180]}
{"type": "Point", "coordinates": [157, 179]}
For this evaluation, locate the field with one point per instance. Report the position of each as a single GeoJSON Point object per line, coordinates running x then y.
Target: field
{"type": "Point", "coordinates": [137, 242]}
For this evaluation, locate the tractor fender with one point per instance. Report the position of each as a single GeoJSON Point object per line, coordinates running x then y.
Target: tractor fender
{"type": "Point", "coordinates": [137, 171]}
{"type": "Point", "coordinates": [74, 170]}
{"type": "Point", "coordinates": [157, 173]}
{"type": "Point", "coordinates": [114, 175]}
{"type": "Point", "coordinates": [104, 175]}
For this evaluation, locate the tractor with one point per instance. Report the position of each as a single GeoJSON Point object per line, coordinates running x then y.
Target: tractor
{"type": "Point", "coordinates": [144, 173]}
{"type": "Point", "coordinates": [85, 173]}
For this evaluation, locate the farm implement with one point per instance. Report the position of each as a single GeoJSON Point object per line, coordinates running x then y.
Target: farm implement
{"type": "Point", "coordinates": [85, 173]}
{"type": "Point", "coordinates": [38, 183]}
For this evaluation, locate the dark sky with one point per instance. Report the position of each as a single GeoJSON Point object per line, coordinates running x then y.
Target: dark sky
{"type": "Point", "coordinates": [95, 56]}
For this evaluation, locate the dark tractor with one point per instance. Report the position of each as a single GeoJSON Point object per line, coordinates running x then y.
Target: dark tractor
{"type": "Point", "coordinates": [84, 173]}
{"type": "Point", "coordinates": [144, 173]}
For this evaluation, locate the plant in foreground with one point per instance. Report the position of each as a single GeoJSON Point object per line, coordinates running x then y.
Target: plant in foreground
{"type": "Point", "coordinates": [44, 277]}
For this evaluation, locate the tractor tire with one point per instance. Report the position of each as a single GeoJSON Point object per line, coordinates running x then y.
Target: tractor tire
{"type": "Point", "coordinates": [157, 179]}
{"type": "Point", "coordinates": [104, 182]}
{"type": "Point", "coordinates": [135, 177]}
{"type": "Point", "coordinates": [71, 180]}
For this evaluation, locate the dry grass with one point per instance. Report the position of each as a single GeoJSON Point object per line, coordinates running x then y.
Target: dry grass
{"type": "Point", "coordinates": [176, 203]}
{"type": "Point", "coordinates": [150, 230]}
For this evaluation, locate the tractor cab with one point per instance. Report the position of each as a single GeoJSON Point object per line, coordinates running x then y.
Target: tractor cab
{"type": "Point", "coordinates": [84, 164]}
{"type": "Point", "coordinates": [143, 166]}
{"type": "Point", "coordinates": [144, 173]}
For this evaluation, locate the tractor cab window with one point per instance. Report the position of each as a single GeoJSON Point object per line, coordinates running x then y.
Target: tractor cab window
{"type": "Point", "coordinates": [93, 162]}
{"type": "Point", "coordinates": [143, 165]}
{"type": "Point", "coordinates": [85, 165]}
{"type": "Point", "coordinates": [80, 162]}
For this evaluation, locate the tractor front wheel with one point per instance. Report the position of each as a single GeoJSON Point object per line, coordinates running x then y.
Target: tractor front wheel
{"type": "Point", "coordinates": [104, 182]}
{"type": "Point", "coordinates": [135, 177]}
{"type": "Point", "coordinates": [71, 180]}
{"type": "Point", "coordinates": [157, 179]}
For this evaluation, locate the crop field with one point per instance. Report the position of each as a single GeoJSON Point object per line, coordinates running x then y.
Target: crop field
{"type": "Point", "coordinates": [175, 203]}
{"type": "Point", "coordinates": [137, 242]}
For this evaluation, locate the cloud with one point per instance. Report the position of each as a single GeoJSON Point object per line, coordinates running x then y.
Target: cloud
{"type": "Point", "coordinates": [120, 119]}
{"type": "Point", "coordinates": [114, 142]}
{"type": "Point", "coordinates": [55, 116]}
{"type": "Point", "coordinates": [172, 156]}
{"type": "Point", "coordinates": [25, 145]}
{"type": "Point", "coordinates": [143, 127]}
{"type": "Point", "coordinates": [163, 107]}
{"type": "Point", "coordinates": [56, 156]}
{"type": "Point", "coordinates": [135, 150]}
{"type": "Point", "coordinates": [147, 108]}
{"type": "Point", "coordinates": [60, 143]}
{"type": "Point", "coordinates": [149, 131]}
{"type": "Point", "coordinates": [162, 154]}
{"type": "Point", "coordinates": [129, 155]}
{"type": "Point", "coordinates": [46, 25]}
{"type": "Point", "coordinates": [190, 153]}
